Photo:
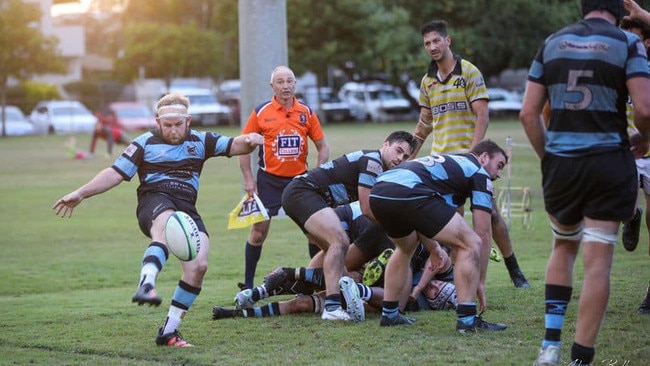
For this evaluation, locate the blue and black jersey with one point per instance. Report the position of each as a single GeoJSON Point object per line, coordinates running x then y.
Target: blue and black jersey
{"type": "Point", "coordinates": [585, 67]}
{"type": "Point", "coordinates": [170, 169]}
{"type": "Point", "coordinates": [454, 178]}
{"type": "Point", "coordinates": [339, 179]}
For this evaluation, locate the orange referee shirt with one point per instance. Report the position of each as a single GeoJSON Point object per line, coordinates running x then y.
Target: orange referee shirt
{"type": "Point", "coordinates": [285, 148]}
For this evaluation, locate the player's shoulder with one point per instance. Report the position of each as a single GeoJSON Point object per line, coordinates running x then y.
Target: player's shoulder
{"type": "Point", "coordinates": [372, 154]}
{"type": "Point", "coordinates": [147, 138]}
{"type": "Point", "coordinates": [303, 107]}
{"type": "Point", "coordinates": [264, 106]}
{"type": "Point", "coordinates": [468, 68]}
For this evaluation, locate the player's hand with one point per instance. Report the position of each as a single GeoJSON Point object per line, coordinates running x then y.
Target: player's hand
{"type": "Point", "coordinates": [66, 204]}
{"type": "Point", "coordinates": [639, 145]}
{"type": "Point", "coordinates": [439, 260]}
{"type": "Point", "coordinates": [633, 9]}
{"type": "Point", "coordinates": [414, 294]}
{"type": "Point", "coordinates": [254, 139]}
{"type": "Point", "coordinates": [250, 188]}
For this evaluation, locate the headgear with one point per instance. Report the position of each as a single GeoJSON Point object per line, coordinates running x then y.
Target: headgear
{"type": "Point", "coordinates": [613, 6]}
{"type": "Point", "coordinates": [445, 299]}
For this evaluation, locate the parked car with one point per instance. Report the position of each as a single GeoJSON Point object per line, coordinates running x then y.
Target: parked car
{"type": "Point", "coordinates": [503, 103]}
{"type": "Point", "coordinates": [16, 124]}
{"type": "Point", "coordinates": [229, 89]}
{"type": "Point", "coordinates": [132, 116]}
{"type": "Point", "coordinates": [376, 102]}
{"type": "Point", "coordinates": [331, 108]}
{"type": "Point", "coordinates": [234, 104]}
{"type": "Point", "coordinates": [205, 109]}
{"type": "Point", "coordinates": [62, 117]}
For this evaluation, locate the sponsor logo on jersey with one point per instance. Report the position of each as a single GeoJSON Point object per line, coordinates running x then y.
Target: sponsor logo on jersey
{"type": "Point", "coordinates": [374, 167]}
{"type": "Point", "coordinates": [583, 47]}
{"type": "Point", "coordinates": [449, 107]}
{"type": "Point", "coordinates": [288, 146]}
{"type": "Point", "coordinates": [191, 149]}
{"type": "Point", "coordinates": [130, 150]}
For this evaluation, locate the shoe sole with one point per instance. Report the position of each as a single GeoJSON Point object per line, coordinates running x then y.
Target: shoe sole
{"type": "Point", "coordinates": [150, 302]}
{"type": "Point", "coordinates": [246, 304]}
{"type": "Point", "coordinates": [353, 300]}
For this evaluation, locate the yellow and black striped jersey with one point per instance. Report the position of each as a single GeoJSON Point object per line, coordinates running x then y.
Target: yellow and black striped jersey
{"type": "Point", "coordinates": [450, 103]}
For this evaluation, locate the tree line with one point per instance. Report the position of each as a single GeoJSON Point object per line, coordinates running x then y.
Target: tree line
{"type": "Point", "coordinates": [364, 38]}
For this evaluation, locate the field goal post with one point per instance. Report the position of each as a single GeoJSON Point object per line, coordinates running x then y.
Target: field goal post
{"type": "Point", "coordinates": [514, 202]}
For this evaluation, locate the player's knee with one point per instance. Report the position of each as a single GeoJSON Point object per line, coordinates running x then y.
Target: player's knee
{"type": "Point", "coordinates": [340, 239]}
{"type": "Point", "coordinates": [570, 235]}
{"type": "Point", "coordinates": [601, 236]}
{"type": "Point", "coordinates": [257, 236]}
{"type": "Point", "coordinates": [469, 241]}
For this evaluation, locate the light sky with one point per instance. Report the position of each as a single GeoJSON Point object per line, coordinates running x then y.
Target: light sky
{"type": "Point", "coordinates": [72, 8]}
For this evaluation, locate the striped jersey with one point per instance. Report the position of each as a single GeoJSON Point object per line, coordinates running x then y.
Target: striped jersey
{"type": "Point", "coordinates": [285, 148]}
{"type": "Point", "coordinates": [585, 67]}
{"type": "Point", "coordinates": [450, 103]}
{"type": "Point", "coordinates": [339, 180]}
{"type": "Point", "coordinates": [167, 168]}
{"type": "Point", "coordinates": [453, 178]}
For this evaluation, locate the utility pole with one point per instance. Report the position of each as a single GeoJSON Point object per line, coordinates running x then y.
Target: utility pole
{"type": "Point", "coordinates": [262, 47]}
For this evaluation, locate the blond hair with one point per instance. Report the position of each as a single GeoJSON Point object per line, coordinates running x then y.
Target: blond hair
{"type": "Point", "coordinates": [173, 99]}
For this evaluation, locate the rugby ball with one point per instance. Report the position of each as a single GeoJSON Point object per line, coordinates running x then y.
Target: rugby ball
{"type": "Point", "coordinates": [182, 236]}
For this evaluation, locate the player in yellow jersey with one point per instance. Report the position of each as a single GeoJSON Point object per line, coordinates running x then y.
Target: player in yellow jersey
{"type": "Point", "coordinates": [631, 229]}
{"type": "Point", "coordinates": [453, 103]}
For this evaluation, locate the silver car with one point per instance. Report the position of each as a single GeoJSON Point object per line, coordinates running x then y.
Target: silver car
{"type": "Point", "coordinates": [62, 117]}
{"type": "Point", "coordinates": [15, 123]}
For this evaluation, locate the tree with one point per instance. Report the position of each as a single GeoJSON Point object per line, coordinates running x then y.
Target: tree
{"type": "Point", "coordinates": [375, 38]}
{"type": "Point", "coordinates": [24, 50]}
{"type": "Point", "coordinates": [168, 52]}
{"type": "Point", "coordinates": [495, 34]}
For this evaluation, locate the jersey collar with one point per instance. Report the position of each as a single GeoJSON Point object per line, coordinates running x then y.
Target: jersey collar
{"type": "Point", "coordinates": [433, 69]}
{"type": "Point", "coordinates": [277, 106]}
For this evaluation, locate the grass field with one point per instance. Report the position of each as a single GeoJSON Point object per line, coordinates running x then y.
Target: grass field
{"type": "Point", "coordinates": [65, 294]}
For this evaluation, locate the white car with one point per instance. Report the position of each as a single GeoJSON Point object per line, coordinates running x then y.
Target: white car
{"type": "Point", "coordinates": [205, 109]}
{"type": "Point", "coordinates": [62, 117]}
{"type": "Point", "coordinates": [331, 108]}
{"type": "Point", "coordinates": [376, 102]}
{"type": "Point", "coordinates": [503, 103]}
{"type": "Point", "coordinates": [15, 123]}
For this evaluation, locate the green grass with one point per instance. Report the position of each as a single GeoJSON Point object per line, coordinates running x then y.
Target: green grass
{"type": "Point", "coordinates": [65, 294]}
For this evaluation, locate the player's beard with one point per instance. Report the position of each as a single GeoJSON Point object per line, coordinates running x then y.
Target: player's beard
{"type": "Point", "coordinates": [173, 140]}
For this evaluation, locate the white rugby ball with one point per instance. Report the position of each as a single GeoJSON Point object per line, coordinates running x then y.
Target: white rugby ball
{"type": "Point", "coordinates": [182, 236]}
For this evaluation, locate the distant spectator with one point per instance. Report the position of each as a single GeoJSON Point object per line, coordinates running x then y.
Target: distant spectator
{"type": "Point", "coordinates": [108, 129]}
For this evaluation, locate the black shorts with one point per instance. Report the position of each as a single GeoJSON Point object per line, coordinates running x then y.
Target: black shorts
{"type": "Point", "coordinates": [600, 187]}
{"type": "Point", "coordinates": [153, 204]}
{"type": "Point", "coordinates": [370, 238]}
{"type": "Point", "coordinates": [399, 218]}
{"type": "Point", "coordinates": [269, 189]}
{"type": "Point", "coordinates": [301, 200]}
